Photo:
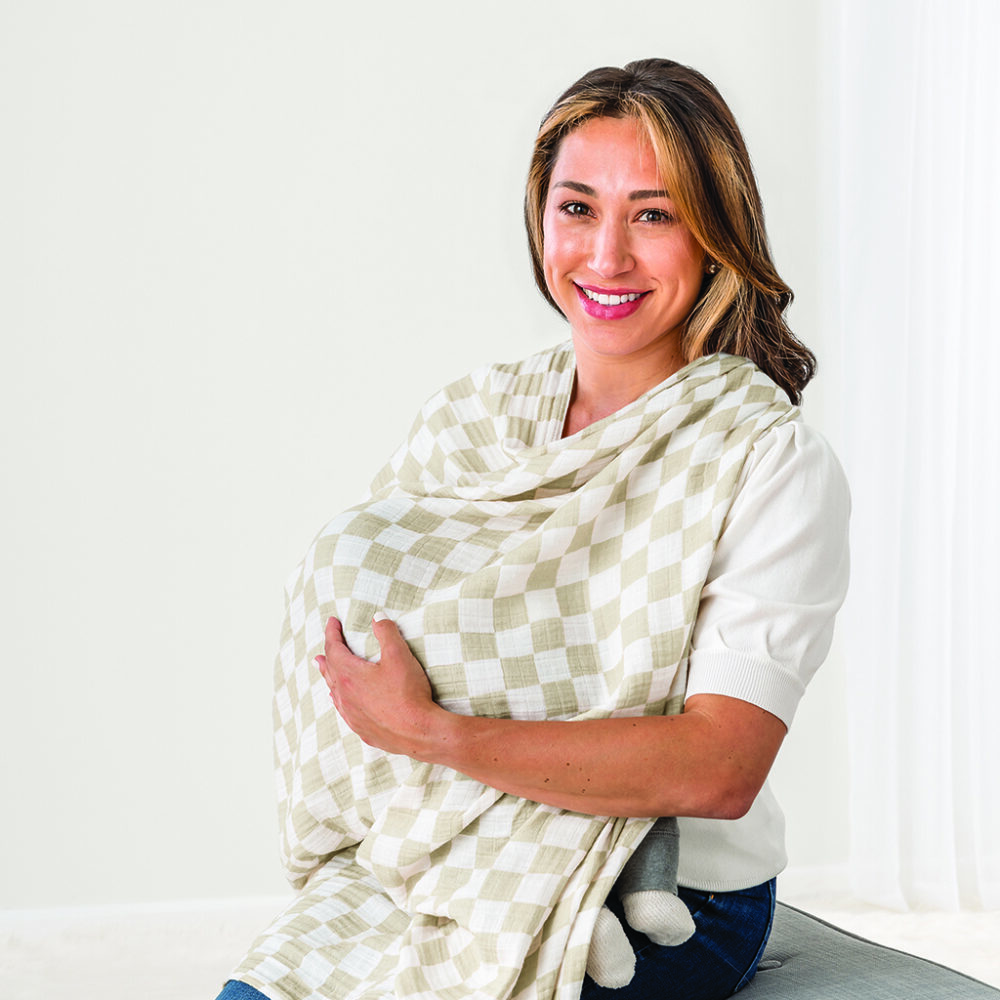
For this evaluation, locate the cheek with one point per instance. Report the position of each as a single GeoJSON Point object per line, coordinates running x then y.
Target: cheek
{"type": "Point", "coordinates": [695, 255]}
{"type": "Point", "coordinates": [684, 260]}
{"type": "Point", "coordinates": [553, 256]}
{"type": "Point", "coordinates": [552, 272]}
{"type": "Point", "coordinates": [550, 240]}
{"type": "Point", "coordinates": [560, 249]}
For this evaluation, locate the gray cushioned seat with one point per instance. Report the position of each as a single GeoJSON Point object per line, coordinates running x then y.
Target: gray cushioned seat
{"type": "Point", "coordinates": [809, 959]}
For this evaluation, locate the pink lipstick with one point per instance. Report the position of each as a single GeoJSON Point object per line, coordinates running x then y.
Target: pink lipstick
{"type": "Point", "coordinates": [609, 303]}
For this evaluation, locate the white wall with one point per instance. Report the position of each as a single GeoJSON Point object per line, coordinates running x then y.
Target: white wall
{"type": "Point", "coordinates": [241, 242]}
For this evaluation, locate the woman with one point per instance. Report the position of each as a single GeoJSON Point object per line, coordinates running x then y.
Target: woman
{"type": "Point", "coordinates": [567, 551]}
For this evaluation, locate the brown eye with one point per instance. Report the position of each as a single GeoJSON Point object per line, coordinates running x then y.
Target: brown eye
{"type": "Point", "coordinates": [655, 215]}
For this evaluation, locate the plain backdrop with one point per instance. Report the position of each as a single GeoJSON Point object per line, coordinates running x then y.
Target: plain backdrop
{"type": "Point", "coordinates": [240, 243]}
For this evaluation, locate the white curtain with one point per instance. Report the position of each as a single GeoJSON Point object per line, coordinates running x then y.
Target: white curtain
{"type": "Point", "coordinates": [916, 195]}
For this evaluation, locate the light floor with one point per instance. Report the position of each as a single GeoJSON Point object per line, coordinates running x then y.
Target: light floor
{"type": "Point", "coordinates": [965, 941]}
{"type": "Point", "coordinates": [183, 951]}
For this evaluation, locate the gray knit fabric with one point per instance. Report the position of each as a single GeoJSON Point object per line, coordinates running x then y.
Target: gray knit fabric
{"type": "Point", "coordinates": [653, 865]}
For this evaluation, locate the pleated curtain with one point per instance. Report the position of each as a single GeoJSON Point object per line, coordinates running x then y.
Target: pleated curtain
{"type": "Point", "coordinates": [913, 272]}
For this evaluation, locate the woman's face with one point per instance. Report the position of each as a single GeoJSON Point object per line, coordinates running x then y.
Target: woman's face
{"type": "Point", "coordinates": [624, 270]}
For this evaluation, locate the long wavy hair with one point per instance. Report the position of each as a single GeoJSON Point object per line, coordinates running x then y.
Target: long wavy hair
{"type": "Point", "coordinates": [705, 166]}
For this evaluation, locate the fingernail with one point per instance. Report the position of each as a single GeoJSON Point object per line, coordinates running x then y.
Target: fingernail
{"type": "Point", "coordinates": [380, 616]}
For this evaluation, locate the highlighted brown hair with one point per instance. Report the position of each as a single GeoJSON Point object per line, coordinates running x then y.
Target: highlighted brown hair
{"type": "Point", "coordinates": [705, 167]}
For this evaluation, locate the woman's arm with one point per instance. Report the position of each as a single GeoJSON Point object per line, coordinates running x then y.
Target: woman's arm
{"type": "Point", "coordinates": [764, 624]}
{"type": "Point", "coordinates": [712, 759]}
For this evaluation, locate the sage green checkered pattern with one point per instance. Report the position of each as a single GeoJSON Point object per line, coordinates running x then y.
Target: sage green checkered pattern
{"type": "Point", "coordinates": [534, 577]}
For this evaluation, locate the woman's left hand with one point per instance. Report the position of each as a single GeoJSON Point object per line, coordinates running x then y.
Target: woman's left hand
{"type": "Point", "coordinates": [388, 703]}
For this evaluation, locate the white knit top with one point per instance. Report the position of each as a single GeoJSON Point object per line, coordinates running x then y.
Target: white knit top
{"type": "Point", "coordinates": [765, 624]}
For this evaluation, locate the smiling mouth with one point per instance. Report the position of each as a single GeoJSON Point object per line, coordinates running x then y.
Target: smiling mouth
{"type": "Point", "coordinates": [610, 300]}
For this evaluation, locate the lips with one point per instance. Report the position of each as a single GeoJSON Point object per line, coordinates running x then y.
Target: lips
{"type": "Point", "coordinates": [609, 303]}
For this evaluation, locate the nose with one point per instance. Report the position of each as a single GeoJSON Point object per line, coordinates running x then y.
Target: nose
{"type": "Point", "coordinates": [610, 252]}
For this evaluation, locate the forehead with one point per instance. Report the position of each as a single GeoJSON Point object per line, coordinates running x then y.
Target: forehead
{"type": "Point", "coordinates": [616, 151]}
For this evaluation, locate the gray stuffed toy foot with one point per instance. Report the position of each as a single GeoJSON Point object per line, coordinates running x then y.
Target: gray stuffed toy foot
{"type": "Point", "coordinates": [647, 888]}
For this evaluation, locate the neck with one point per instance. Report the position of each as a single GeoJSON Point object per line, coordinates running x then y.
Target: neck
{"type": "Point", "coordinates": [605, 384]}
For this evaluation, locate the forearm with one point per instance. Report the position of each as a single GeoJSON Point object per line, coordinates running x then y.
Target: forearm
{"type": "Point", "coordinates": [710, 761]}
{"type": "Point", "coordinates": [681, 765]}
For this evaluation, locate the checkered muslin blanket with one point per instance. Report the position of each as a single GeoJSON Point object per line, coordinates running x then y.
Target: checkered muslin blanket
{"type": "Point", "coordinates": [534, 577]}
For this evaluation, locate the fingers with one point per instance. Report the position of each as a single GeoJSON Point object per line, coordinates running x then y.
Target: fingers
{"type": "Point", "coordinates": [320, 662]}
{"type": "Point", "coordinates": [333, 634]}
{"type": "Point", "coordinates": [386, 632]}
{"type": "Point", "coordinates": [335, 643]}
{"type": "Point", "coordinates": [336, 652]}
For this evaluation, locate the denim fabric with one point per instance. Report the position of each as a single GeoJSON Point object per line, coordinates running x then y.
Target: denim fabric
{"type": "Point", "coordinates": [720, 959]}
{"type": "Point", "coordinates": [237, 990]}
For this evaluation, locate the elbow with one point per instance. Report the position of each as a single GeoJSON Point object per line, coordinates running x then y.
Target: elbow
{"type": "Point", "coordinates": [727, 797]}
{"type": "Point", "coordinates": [733, 806]}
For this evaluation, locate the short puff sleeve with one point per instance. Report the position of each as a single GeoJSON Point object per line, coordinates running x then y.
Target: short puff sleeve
{"type": "Point", "coordinates": [779, 575]}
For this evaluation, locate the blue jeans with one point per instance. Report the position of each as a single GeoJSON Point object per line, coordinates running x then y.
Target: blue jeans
{"type": "Point", "coordinates": [237, 990]}
{"type": "Point", "coordinates": [718, 960]}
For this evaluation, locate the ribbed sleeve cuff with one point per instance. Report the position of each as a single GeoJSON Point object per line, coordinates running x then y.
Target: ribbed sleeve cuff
{"type": "Point", "coordinates": [770, 685]}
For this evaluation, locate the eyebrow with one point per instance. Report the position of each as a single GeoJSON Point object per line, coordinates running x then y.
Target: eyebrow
{"type": "Point", "coordinates": [591, 193]}
{"type": "Point", "coordinates": [581, 188]}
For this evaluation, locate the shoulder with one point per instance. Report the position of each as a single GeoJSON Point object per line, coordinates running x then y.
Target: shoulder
{"type": "Point", "coordinates": [792, 461]}
{"type": "Point", "coordinates": [791, 508]}
{"type": "Point", "coordinates": [779, 574]}
{"type": "Point", "coordinates": [730, 393]}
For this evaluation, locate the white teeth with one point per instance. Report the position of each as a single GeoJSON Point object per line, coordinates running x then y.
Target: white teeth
{"type": "Point", "coordinates": [610, 300]}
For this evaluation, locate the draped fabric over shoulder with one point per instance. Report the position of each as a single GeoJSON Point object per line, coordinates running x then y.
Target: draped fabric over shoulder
{"type": "Point", "coordinates": [534, 577]}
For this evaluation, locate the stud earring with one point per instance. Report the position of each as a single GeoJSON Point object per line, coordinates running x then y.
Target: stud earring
{"type": "Point", "coordinates": [712, 268]}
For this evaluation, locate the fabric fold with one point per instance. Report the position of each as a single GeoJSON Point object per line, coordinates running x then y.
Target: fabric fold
{"type": "Point", "coordinates": [534, 577]}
